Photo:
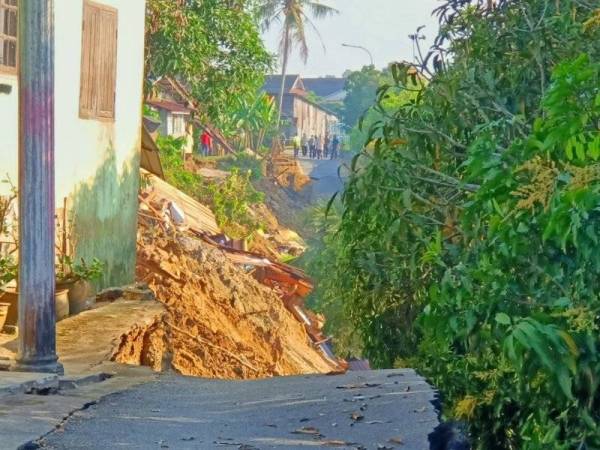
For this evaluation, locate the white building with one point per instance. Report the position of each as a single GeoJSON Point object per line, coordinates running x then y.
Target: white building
{"type": "Point", "coordinates": [99, 64]}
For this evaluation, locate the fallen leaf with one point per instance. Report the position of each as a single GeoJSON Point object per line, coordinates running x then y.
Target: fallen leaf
{"type": "Point", "coordinates": [396, 440]}
{"type": "Point", "coordinates": [392, 375]}
{"type": "Point", "coordinates": [307, 430]}
{"type": "Point", "coordinates": [229, 444]}
{"type": "Point", "coordinates": [336, 443]}
{"type": "Point", "coordinates": [357, 417]}
{"type": "Point", "coordinates": [358, 386]}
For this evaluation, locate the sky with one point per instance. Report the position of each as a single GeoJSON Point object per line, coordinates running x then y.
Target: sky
{"type": "Point", "coordinates": [381, 26]}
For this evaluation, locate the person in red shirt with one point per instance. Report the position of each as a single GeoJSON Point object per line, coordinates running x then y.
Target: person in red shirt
{"type": "Point", "coordinates": [206, 140]}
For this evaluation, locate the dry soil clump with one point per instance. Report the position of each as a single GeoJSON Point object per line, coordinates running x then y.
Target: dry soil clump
{"type": "Point", "coordinates": [220, 321]}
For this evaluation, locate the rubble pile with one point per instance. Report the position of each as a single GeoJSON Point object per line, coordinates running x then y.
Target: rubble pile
{"type": "Point", "coordinates": [276, 240]}
{"type": "Point", "coordinates": [287, 172]}
{"type": "Point", "coordinates": [220, 321]}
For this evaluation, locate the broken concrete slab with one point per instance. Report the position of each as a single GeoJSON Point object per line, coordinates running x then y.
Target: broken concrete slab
{"type": "Point", "coordinates": [24, 418]}
{"type": "Point", "coordinates": [88, 341]}
{"type": "Point", "coordinates": [23, 382]}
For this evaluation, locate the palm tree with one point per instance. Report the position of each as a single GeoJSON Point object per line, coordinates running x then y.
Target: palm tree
{"type": "Point", "coordinates": [293, 15]}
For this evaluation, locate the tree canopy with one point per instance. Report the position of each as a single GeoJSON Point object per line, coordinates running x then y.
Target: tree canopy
{"type": "Point", "coordinates": [361, 88]}
{"type": "Point", "coordinates": [214, 46]}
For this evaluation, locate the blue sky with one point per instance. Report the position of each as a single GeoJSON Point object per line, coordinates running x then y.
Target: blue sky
{"type": "Point", "coordinates": [382, 26]}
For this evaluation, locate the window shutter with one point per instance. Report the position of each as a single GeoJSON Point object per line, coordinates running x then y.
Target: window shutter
{"type": "Point", "coordinates": [98, 62]}
{"type": "Point", "coordinates": [87, 107]}
{"type": "Point", "coordinates": [107, 64]}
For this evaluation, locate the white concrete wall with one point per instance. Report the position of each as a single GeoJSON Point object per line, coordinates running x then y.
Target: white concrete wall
{"type": "Point", "coordinates": [97, 162]}
{"type": "Point", "coordinates": [82, 146]}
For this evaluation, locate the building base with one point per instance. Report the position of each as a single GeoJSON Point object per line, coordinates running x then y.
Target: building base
{"type": "Point", "coordinates": [42, 365]}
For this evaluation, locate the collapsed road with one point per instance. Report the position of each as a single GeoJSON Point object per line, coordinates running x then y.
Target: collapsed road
{"type": "Point", "coordinates": [360, 410]}
{"type": "Point", "coordinates": [218, 320]}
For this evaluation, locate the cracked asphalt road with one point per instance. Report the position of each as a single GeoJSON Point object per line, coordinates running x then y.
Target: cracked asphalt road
{"type": "Point", "coordinates": [360, 410]}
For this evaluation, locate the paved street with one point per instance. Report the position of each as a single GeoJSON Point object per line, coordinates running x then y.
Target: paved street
{"type": "Point", "coordinates": [326, 175]}
{"type": "Point", "coordinates": [371, 410]}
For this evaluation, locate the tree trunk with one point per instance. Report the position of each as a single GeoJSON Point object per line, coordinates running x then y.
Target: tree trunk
{"type": "Point", "coordinates": [286, 54]}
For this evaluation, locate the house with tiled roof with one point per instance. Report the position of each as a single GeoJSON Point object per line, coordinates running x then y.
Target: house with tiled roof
{"type": "Point", "coordinates": [302, 114]}
{"type": "Point", "coordinates": [329, 89]}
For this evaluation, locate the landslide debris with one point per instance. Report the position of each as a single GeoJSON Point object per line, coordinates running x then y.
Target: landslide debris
{"type": "Point", "coordinates": [220, 321]}
{"type": "Point", "coordinates": [285, 204]}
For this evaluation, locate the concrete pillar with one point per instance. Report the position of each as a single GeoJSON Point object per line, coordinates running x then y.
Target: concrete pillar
{"type": "Point", "coordinates": [37, 323]}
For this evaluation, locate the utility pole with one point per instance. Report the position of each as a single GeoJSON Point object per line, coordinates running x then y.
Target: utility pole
{"type": "Point", "coordinates": [36, 282]}
{"type": "Point", "coordinates": [362, 48]}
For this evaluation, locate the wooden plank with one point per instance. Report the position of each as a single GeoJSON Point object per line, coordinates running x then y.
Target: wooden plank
{"type": "Point", "coordinates": [198, 217]}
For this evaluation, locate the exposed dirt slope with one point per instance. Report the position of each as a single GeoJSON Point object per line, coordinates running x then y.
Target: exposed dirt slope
{"type": "Point", "coordinates": [220, 321]}
{"type": "Point", "coordinates": [285, 204]}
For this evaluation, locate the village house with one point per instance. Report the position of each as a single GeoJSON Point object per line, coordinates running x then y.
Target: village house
{"type": "Point", "coordinates": [179, 116]}
{"type": "Point", "coordinates": [303, 116]}
{"type": "Point", "coordinates": [174, 112]}
{"type": "Point", "coordinates": [174, 117]}
{"type": "Point", "coordinates": [99, 68]}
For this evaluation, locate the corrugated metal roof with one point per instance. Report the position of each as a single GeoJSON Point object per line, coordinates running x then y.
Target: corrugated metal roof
{"type": "Point", "coordinates": [273, 84]}
{"type": "Point", "coordinates": [324, 87]}
{"type": "Point", "coordinates": [150, 155]}
{"type": "Point", "coordinates": [197, 216]}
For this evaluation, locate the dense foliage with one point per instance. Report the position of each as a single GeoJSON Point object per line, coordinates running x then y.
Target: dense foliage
{"type": "Point", "coordinates": [230, 200]}
{"type": "Point", "coordinates": [361, 91]}
{"type": "Point", "coordinates": [254, 121]}
{"type": "Point", "coordinates": [468, 240]}
{"type": "Point", "coordinates": [362, 87]}
{"type": "Point", "coordinates": [214, 46]}
{"type": "Point", "coordinates": [319, 260]}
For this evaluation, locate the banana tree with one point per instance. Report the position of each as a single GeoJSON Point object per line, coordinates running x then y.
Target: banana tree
{"type": "Point", "coordinates": [255, 119]}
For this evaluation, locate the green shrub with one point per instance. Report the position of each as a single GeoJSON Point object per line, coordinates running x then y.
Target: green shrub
{"type": "Point", "coordinates": [230, 199]}
{"type": "Point", "coordinates": [467, 244]}
{"type": "Point", "coordinates": [243, 162]}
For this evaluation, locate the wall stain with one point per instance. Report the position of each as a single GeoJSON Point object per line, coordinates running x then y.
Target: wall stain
{"type": "Point", "coordinates": [104, 214]}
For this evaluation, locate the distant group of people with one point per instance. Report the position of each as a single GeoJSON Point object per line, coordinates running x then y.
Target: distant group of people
{"type": "Point", "coordinates": [316, 147]}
